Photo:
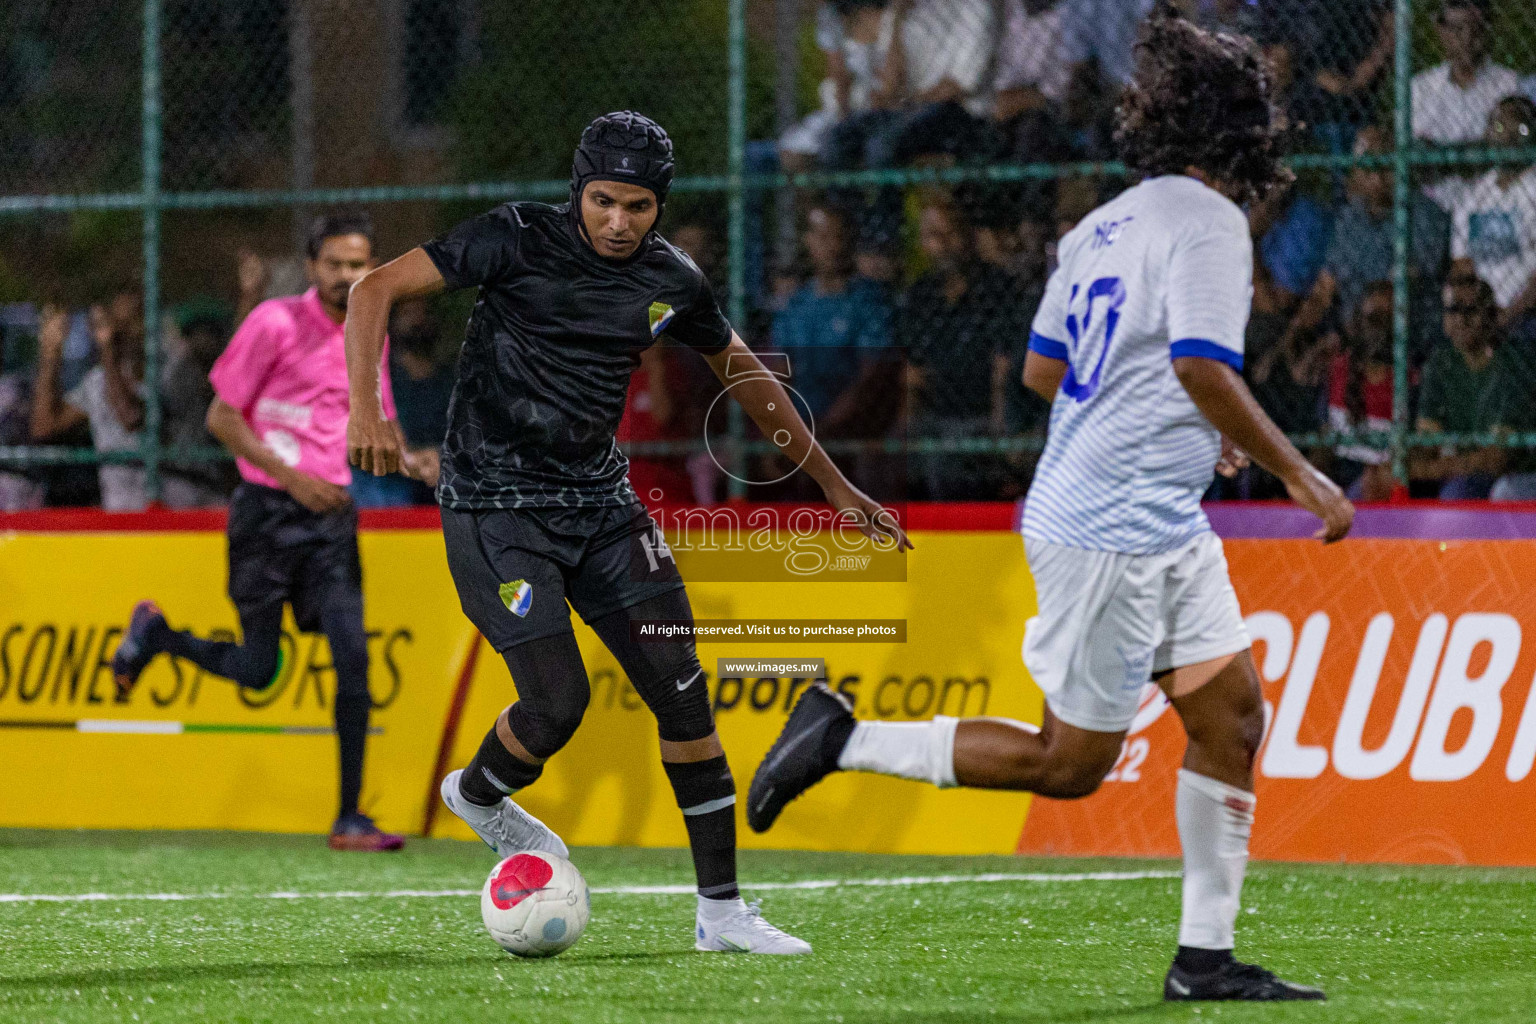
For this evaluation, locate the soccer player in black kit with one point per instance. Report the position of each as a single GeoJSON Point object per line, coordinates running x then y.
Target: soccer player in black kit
{"type": "Point", "coordinates": [537, 507]}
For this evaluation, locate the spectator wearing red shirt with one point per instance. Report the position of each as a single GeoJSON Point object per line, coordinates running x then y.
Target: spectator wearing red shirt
{"type": "Point", "coordinates": [1360, 396]}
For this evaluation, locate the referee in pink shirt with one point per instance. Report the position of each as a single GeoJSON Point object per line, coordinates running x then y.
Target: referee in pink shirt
{"type": "Point", "coordinates": [281, 407]}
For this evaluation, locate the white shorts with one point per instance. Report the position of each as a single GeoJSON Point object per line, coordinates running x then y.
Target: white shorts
{"type": "Point", "coordinates": [1108, 622]}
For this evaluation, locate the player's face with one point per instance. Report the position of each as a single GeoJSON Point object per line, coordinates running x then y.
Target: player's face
{"type": "Point", "coordinates": [617, 215]}
{"type": "Point", "coordinates": [342, 262]}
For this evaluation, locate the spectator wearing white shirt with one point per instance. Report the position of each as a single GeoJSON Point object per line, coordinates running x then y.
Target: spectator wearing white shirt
{"type": "Point", "coordinates": [1031, 81]}
{"type": "Point", "coordinates": [109, 398]}
{"type": "Point", "coordinates": [855, 36]}
{"type": "Point", "coordinates": [1452, 102]}
{"type": "Point", "coordinates": [933, 87]}
{"type": "Point", "coordinates": [1493, 219]}
{"type": "Point", "coordinates": [1105, 32]}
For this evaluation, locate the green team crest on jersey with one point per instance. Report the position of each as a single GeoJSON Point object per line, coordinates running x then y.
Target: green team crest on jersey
{"type": "Point", "coordinates": [661, 315]}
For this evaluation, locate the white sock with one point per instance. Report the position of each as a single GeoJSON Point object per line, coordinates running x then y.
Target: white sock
{"type": "Point", "coordinates": [1215, 820]}
{"type": "Point", "coordinates": [924, 751]}
{"type": "Point", "coordinates": [719, 910]}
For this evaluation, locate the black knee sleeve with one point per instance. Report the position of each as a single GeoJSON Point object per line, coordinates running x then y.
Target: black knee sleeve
{"type": "Point", "coordinates": [679, 699]}
{"type": "Point", "coordinates": [667, 675]}
{"type": "Point", "coordinates": [552, 693]}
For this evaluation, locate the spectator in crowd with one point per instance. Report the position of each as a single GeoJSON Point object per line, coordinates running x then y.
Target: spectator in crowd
{"type": "Point", "coordinates": [1494, 220]}
{"type": "Point", "coordinates": [202, 328]}
{"type": "Point", "coordinates": [1360, 254]}
{"type": "Point", "coordinates": [422, 386]}
{"type": "Point", "coordinates": [1453, 101]}
{"type": "Point", "coordinates": [1034, 256]}
{"type": "Point", "coordinates": [933, 87]}
{"type": "Point", "coordinates": [1088, 114]}
{"type": "Point", "coordinates": [1103, 33]}
{"type": "Point", "coordinates": [854, 36]}
{"type": "Point", "coordinates": [253, 275]}
{"type": "Point", "coordinates": [110, 398]}
{"type": "Point", "coordinates": [651, 413]}
{"type": "Point", "coordinates": [1341, 48]}
{"type": "Point", "coordinates": [1291, 231]}
{"type": "Point", "coordinates": [1298, 95]}
{"type": "Point", "coordinates": [1360, 395]}
{"type": "Point", "coordinates": [956, 324]}
{"type": "Point", "coordinates": [1024, 412]}
{"type": "Point", "coordinates": [1031, 82]}
{"type": "Point", "coordinates": [993, 212]}
{"type": "Point", "coordinates": [689, 384]}
{"type": "Point", "coordinates": [877, 255]}
{"type": "Point", "coordinates": [698, 240]}
{"type": "Point", "coordinates": [1474, 385]}
{"type": "Point", "coordinates": [1011, 234]}
{"type": "Point", "coordinates": [836, 330]}
{"type": "Point", "coordinates": [19, 489]}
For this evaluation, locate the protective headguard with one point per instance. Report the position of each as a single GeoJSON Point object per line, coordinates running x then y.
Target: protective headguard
{"type": "Point", "coordinates": [623, 146]}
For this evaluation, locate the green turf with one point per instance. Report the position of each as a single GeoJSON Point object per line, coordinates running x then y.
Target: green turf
{"type": "Point", "coordinates": [1394, 945]}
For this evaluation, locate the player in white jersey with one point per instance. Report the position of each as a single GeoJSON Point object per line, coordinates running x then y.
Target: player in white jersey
{"type": "Point", "coordinates": [1139, 345]}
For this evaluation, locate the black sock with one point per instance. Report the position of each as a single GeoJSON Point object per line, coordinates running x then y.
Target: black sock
{"type": "Point", "coordinates": [255, 663]}
{"type": "Point", "coordinates": [495, 772]}
{"type": "Point", "coordinates": [1201, 961]}
{"type": "Point", "coordinates": [351, 739]}
{"type": "Point", "coordinates": [707, 795]}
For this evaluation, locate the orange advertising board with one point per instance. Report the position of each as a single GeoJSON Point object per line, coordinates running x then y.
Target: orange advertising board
{"type": "Point", "coordinates": [1400, 706]}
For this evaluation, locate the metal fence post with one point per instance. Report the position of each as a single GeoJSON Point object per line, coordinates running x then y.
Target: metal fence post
{"type": "Point", "coordinates": [737, 242]}
{"type": "Point", "coordinates": [151, 112]}
{"type": "Point", "coordinates": [1402, 234]}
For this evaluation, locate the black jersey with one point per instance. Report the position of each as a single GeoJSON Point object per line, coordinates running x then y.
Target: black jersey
{"type": "Point", "coordinates": [555, 334]}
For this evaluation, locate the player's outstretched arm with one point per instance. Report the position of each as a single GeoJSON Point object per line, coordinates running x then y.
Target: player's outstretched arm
{"type": "Point", "coordinates": [374, 444]}
{"type": "Point", "coordinates": [766, 401]}
{"type": "Point", "coordinates": [1222, 397]}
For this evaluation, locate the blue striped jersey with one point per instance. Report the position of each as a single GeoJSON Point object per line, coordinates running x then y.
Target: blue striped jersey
{"type": "Point", "coordinates": [1163, 270]}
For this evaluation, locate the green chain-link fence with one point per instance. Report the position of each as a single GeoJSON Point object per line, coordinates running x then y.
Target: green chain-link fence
{"type": "Point", "coordinates": [875, 185]}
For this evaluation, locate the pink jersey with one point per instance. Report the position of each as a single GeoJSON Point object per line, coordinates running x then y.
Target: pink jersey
{"type": "Point", "coordinates": [286, 371]}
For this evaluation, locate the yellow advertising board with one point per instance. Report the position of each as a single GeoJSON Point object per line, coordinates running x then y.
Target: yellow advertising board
{"type": "Point", "coordinates": [188, 750]}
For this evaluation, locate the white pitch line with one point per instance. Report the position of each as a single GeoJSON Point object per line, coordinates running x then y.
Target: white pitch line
{"type": "Point", "coordinates": [812, 884]}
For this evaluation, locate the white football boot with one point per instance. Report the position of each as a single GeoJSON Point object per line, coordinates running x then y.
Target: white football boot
{"type": "Point", "coordinates": [505, 827]}
{"type": "Point", "coordinates": [738, 927]}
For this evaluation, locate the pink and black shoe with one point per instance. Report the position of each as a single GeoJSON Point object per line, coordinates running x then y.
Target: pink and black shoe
{"type": "Point", "coordinates": [134, 653]}
{"type": "Point", "coordinates": [356, 833]}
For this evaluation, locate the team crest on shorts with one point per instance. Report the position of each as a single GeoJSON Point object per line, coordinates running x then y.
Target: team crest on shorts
{"type": "Point", "coordinates": [518, 597]}
{"type": "Point", "coordinates": [661, 315]}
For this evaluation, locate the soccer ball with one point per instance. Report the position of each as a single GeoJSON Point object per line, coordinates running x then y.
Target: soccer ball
{"type": "Point", "coordinates": [535, 904]}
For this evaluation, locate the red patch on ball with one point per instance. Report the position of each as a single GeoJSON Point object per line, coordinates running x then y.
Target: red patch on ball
{"type": "Point", "coordinates": [518, 878]}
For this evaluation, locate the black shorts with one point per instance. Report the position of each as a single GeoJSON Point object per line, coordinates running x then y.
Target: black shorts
{"type": "Point", "coordinates": [281, 551]}
{"type": "Point", "coordinates": [515, 569]}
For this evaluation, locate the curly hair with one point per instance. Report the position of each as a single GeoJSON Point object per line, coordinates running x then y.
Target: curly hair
{"type": "Point", "coordinates": [1201, 100]}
